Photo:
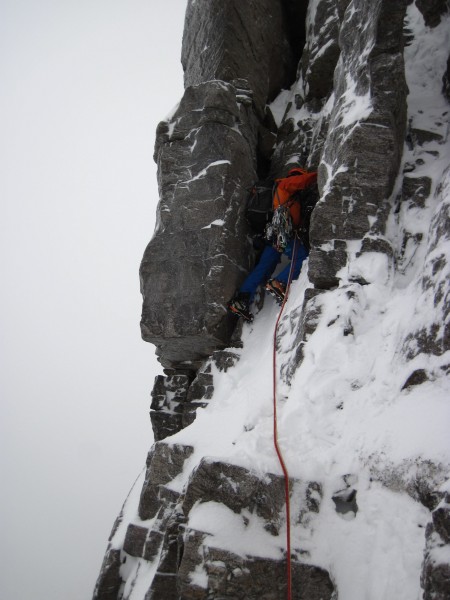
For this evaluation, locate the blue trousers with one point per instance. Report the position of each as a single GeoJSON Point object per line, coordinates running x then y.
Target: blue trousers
{"type": "Point", "coordinates": [267, 265]}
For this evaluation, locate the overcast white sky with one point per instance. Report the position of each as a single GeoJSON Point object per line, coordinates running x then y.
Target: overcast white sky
{"type": "Point", "coordinates": [83, 86]}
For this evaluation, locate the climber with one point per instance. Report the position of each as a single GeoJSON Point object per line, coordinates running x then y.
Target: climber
{"type": "Point", "coordinates": [294, 198]}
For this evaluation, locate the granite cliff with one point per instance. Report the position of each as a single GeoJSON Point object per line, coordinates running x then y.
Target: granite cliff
{"type": "Point", "coordinates": [358, 91]}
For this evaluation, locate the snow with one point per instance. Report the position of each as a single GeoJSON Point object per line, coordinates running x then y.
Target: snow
{"type": "Point", "coordinates": [199, 576]}
{"type": "Point", "coordinates": [171, 114]}
{"type": "Point", "coordinates": [138, 574]}
{"type": "Point", "coordinates": [343, 411]}
{"type": "Point", "coordinates": [129, 512]}
{"type": "Point", "coordinates": [426, 60]}
{"type": "Point", "coordinates": [278, 106]}
{"type": "Point", "coordinates": [217, 223]}
{"type": "Point", "coordinates": [204, 171]}
{"type": "Point", "coordinates": [378, 554]}
{"type": "Point", "coordinates": [355, 107]}
{"type": "Point", "coordinates": [242, 534]}
{"type": "Point", "coordinates": [370, 266]}
{"type": "Point", "coordinates": [440, 555]}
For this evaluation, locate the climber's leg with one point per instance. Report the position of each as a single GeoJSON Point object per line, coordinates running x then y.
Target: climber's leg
{"type": "Point", "coordinates": [262, 271]}
{"type": "Point", "coordinates": [301, 253]}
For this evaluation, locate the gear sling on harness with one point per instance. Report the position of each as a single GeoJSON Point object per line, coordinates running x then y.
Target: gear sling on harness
{"type": "Point", "coordinates": [288, 205]}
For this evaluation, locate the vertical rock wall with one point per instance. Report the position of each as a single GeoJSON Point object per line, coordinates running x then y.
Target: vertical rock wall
{"type": "Point", "coordinates": [251, 42]}
{"type": "Point", "coordinates": [207, 159]}
{"type": "Point", "coordinates": [357, 178]}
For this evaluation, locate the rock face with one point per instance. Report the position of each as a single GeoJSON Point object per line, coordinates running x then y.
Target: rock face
{"type": "Point", "coordinates": [356, 111]}
{"type": "Point", "coordinates": [436, 570]}
{"type": "Point", "coordinates": [176, 397]}
{"type": "Point", "coordinates": [370, 73]}
{"type": "Point", "coordinates": [182, 549]}
{"type": "Point", "coordinates": [301, 139]}
{"type": "Point", "coordinates": [206, 161]}
{"type": "Point", "coordinates": [252, 42]}
{"type": "Point", "coordinates": [432, 11]}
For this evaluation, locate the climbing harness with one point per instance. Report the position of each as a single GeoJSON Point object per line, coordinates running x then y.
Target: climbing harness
{"type": "Point", "coordinates": [280, 229]}
{"type": "Point", "coordinates": [275, 433]}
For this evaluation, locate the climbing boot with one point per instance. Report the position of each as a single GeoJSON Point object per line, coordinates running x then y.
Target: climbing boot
{"type": "Point", "coordinates": [240, 306]}
{"type": "Point", "coordinates": [277, 289]}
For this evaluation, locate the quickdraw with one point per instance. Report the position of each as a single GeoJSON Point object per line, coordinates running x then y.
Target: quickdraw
{"type": "Point", "coordinates": [280, 230]}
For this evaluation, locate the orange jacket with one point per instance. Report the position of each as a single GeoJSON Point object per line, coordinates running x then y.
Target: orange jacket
{"type": "Point", "coordinates": [297, 179]}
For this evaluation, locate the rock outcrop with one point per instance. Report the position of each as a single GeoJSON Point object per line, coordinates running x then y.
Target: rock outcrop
{"type": "Point", "coordinates": [337, 88]}
{"type": "Point", "coordinates": [207, 155]}
{"type": "Point", "coordinates": [206, 159]}
{"type": "Point", "coordinates": [252, 41]}
{"type": "Point", "coordinates": [369, 73]}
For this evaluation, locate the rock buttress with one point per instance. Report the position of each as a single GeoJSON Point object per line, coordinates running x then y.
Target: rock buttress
{"type": "Point", "coordinates": [362, 152]}
{"type": "Point", "coordinates": [253, 40]}
{"type": "Point", "coordinates": [236, 56]}
{"type": "Point", "coordinates": [200, 251]}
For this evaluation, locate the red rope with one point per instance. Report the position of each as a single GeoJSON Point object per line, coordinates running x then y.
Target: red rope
{"type": "Point", "coordinates": [275, 434]}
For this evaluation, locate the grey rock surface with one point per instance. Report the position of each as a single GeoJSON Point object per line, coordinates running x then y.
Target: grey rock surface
{"type": "Point", "coordinates": [432, 10]}
{"type": "Point", "coordinates": [371, 63]}
{"type": "Point", "coordinates": [416, 190]}
{"type": "Point", "coordinates": [446, 81]}
{"type": "Point", "coordinates": [164, 462]}
{"type": "Point", "coordinates": [185, 551]}
{"type": "Point", "coordinates": [199, 254]}
{"type": "Point", "coordinates": [301, 140]}
{"type": "Point", "coordinates": [207, 155]}
{"type": "Point", "coordinates": [251, 41]}
{"type": "Point", "coordinates": [177, 396]}
{"type": "Point", "coordinates": [109, 582]}
{"type": "Point", "coordinates": [168, 403]}
{"type": "Point", "coordinates": [230, 576]}
{"type": "Point", "coordinates": [435, 338]}
{"type": "Point", "coordinates": [135, 539]}
{"type": "Point", "coordinates": [238, 489]}
{"type": "Point", "coordinates": [435, 579]}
